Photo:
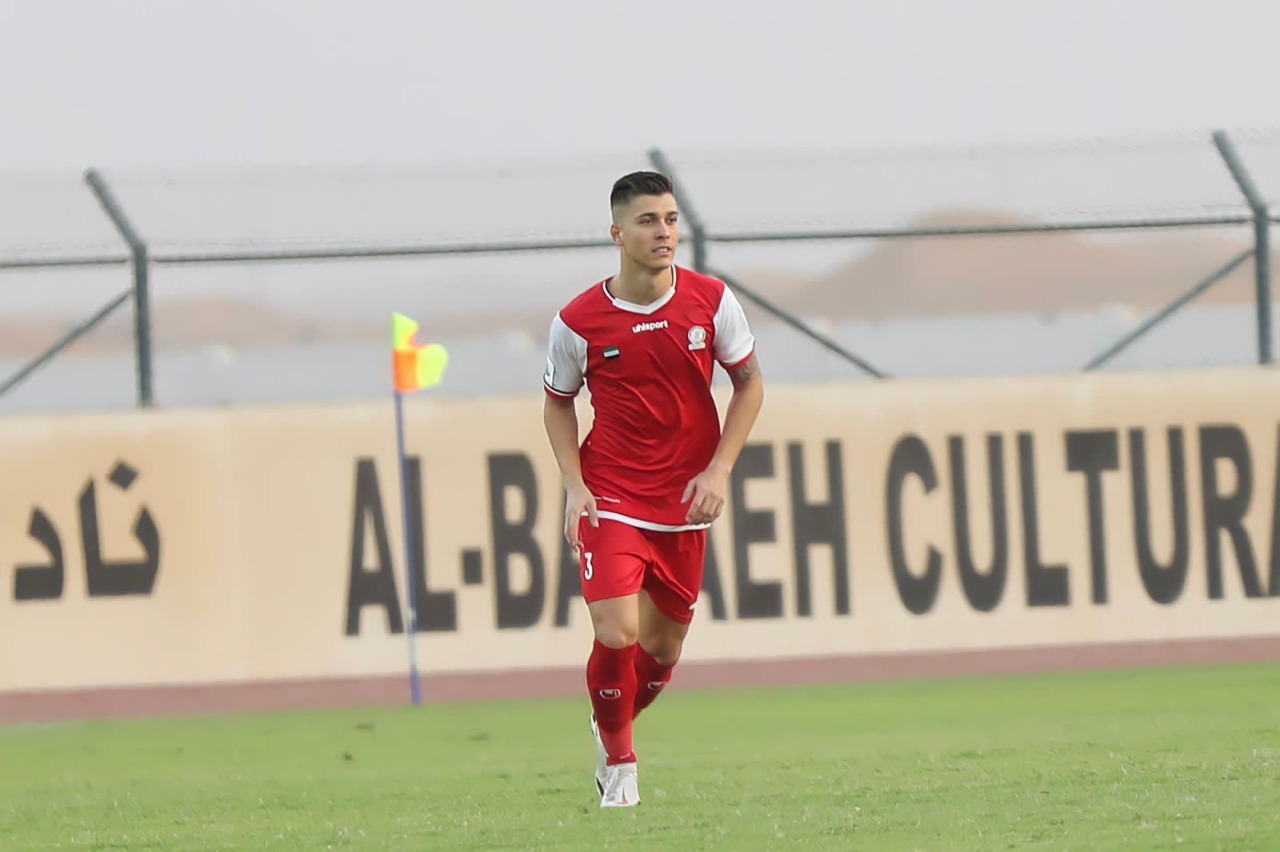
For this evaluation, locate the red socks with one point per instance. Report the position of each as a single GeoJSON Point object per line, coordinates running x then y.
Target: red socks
{"type": "Point", "coordinates": [651, 677]}
{"type": "Point", "coordinates": [622, 682]}
{"type": "Point", "coordinates": [611, 678]}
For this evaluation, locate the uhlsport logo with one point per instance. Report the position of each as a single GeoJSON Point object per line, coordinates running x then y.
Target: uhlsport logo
{"type": "Point", "coordinates": [648, 326]}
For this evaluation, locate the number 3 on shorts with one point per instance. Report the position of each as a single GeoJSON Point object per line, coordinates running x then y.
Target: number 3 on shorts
{"type": "Point", "coordinates": [590, 570]}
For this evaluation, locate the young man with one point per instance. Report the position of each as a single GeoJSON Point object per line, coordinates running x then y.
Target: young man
{"type": "Point", "coordinates": [652, 474]}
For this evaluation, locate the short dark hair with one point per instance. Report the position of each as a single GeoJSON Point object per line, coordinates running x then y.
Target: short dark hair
{"type": "Point", "coordinates": [636, 184]}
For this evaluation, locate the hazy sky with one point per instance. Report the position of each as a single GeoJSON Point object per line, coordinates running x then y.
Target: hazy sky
{"type": "Point", "coordinates": [144, 82]}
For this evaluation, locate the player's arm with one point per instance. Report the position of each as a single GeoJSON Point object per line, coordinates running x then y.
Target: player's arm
{"type": "Point", "coordinates": [560, 418]}
{"type": "Point", "coordinates": [566, 365]}
{"type": "Point", "coordinates": [706, 492]}
{"type": "Point", "coordinates": [735, 349]}
{"type": "Point", "coordinates": [740, 416]}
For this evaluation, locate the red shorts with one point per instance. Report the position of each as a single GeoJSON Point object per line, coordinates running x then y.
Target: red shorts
{"type": "Point", "coordinates": [619, 559]}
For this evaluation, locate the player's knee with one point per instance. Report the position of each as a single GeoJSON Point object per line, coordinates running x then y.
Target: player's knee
{"type": "Point", "coordinates": [616, 634]}
{"type": "Point", "coordinates": [666, 652]}
{"type": "Point", "coordinates": [664, 643]}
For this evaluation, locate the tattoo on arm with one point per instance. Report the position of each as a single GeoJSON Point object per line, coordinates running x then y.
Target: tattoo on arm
{"type": "Point", "coordinates": [745, 372]}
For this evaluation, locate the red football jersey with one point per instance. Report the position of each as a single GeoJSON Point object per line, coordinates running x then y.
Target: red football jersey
{"type": "Point", "coordinates": [649, 370]}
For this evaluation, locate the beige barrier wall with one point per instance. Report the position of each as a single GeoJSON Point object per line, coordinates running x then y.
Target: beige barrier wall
{"type": "Point", "coordinates": [904, 516]}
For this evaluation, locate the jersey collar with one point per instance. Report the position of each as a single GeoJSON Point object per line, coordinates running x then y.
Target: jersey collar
{"type": "Point", "coordinates": [623, 304]}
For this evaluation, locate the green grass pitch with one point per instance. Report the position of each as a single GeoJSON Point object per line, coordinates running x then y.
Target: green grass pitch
{"type": "Point", "coordinates": [1156, 759]}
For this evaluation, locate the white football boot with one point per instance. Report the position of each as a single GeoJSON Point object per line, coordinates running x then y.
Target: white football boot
{"type": "Point", "coordinates": [621, 787]}
{"type": "Point", "coordinates": [602, 757]}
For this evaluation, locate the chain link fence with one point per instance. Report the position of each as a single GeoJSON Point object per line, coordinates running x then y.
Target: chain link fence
{"type": "Point", "coordinates": [266, 285]}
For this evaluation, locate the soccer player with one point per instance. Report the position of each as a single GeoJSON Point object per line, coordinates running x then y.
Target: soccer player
{"type": "Point", "coordinates": [651, 475]}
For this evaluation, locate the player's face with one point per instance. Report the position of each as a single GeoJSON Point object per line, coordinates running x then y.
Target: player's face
{"type": "Point", "coordinates": [648, 230]}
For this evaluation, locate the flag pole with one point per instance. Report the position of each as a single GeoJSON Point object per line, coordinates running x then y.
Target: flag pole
{"type": "Point", "coordinates": [411, 628]}
{"type": "Point", "coordinates": [413, 368]}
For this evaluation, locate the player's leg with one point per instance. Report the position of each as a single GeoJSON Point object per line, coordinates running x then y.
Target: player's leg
{"type": "Point", "coordinates": [612, 567]}
{"type": "Point", "coordinates": [611, 674]}
{"type": "Point", "coordinates": [661, 639]}
{"type": "Point", "coordinates": [667, 599]}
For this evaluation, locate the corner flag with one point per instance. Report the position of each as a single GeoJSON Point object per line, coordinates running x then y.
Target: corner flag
{"type": "Point", "coordinates": [414, 368]}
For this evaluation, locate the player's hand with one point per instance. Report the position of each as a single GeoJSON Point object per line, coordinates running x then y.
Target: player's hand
{"type": "Point", "coordinates": [577, 500]}
{"type": "Point", "coordinates": [705, 495]}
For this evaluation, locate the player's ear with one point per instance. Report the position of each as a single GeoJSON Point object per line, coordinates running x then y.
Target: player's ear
{"type": "Point", "coordinates": [615, 234]}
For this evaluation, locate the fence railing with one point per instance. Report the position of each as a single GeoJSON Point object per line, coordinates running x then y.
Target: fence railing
{"type": "Point", "coordinates": [703, 236]}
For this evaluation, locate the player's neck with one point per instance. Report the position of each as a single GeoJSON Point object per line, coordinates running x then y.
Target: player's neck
{"type": "Point", "coordinates": [641, 286]}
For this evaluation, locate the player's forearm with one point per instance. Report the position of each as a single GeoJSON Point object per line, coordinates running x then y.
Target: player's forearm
{"type": "Point", "coordinates": [740, 417]}
{"type": "Point", "coordinates": [561, 422]}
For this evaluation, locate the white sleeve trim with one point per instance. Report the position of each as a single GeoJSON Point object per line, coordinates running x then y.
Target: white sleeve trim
{"type": "Point", "coordinates": [566, 359]}
{"type": "Point", "coordinates": [734, 340]}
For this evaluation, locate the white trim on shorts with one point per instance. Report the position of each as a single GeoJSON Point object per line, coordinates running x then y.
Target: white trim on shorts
{"type": "Point", "coordinates": [648, 525]}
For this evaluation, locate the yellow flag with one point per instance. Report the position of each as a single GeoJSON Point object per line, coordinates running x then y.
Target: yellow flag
{"type": "Point", "coordinates": [414, 367]}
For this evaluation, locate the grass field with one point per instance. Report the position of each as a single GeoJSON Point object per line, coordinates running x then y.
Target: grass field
{"type": "Point", "coordinates": [1163, 759]}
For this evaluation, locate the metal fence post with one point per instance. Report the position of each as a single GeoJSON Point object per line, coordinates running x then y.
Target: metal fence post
{"type": "Point", "coordinates": [1168, 311]}
{"type": "Point", "coordinates": [1261, 237]}
{"type": "Point", "coordinates": [141, 278]}
{"type": "Point", "coordinates": [696, 227]}
{"type": "Point", "coordinates": [800, 325]}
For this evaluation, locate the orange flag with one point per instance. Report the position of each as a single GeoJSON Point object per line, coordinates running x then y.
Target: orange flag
{"type": "Point", "coordinates": [415, 367]}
